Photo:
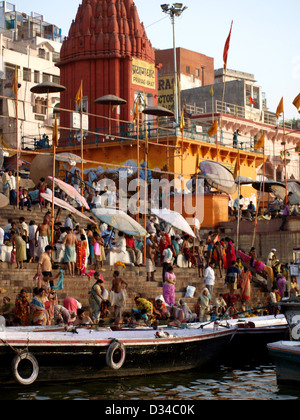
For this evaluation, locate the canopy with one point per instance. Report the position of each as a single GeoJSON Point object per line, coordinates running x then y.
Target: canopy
{"type": "Point", "coordinates": [69, 158]}
{"type": "Point", "coordinates": [218, 176]}
{"type": "Point", "coordinates": [294, 199]}
{"type": "Point", "coordinates": [64, 205]}
{"type": "Point", "coordinates": [274, 187]}
{"type": "Point", "coordinates": [159, 111]}
{"type": "Point", "coordinates": [244, 180]}
{"type": "Point", "coordinates": [120, 221]}
{"type": "Point", "coordinates": [110, 100]}
{"type": "Point", "coordinates": [47, 87]}
{"type": "Point", "coordinates": [71, 191]}
{"type": "Point", "coordinates": [175, 219]}
{"type": "Point", "coordinates": [293, 186]}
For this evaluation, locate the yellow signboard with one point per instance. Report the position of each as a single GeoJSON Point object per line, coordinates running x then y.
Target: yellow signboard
{"type": "Point", "coordinates": [143, 74]}
{"type": "Point", "coordinates": [166, 92]}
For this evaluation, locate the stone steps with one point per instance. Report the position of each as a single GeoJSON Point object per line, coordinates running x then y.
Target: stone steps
{"type": "Point", "coordinates": [14, 280]}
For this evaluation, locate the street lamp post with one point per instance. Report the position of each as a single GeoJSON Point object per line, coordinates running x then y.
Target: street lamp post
{"type": "Point", "coordinates": [175, 10]}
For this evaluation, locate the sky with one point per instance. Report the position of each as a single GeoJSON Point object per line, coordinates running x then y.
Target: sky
{"type": "Point", "coordinates": [264, 41]}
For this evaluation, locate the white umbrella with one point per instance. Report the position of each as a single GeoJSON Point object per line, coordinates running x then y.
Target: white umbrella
{"type": "Point", "coordinates": [71, 191]}
{"type": "Point", "coordinates": [120, 221]}
{"type": "Point", "coordinates": [69, 158]}
{"type": "Point", "coordinates": [175, 219]}
{"type": "Point", "coordinates": [64, 205]}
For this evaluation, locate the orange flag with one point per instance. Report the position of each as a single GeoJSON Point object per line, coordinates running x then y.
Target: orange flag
{"type": "Point", "coordinates": [279, 108]}
{"type": "Point", "coordinates": [260, 143]}
{"type": "Point", "coordinates": [226, 48]}
{"type": "Point", "coordinates": [212, 131]}
{"type": "Point", "coordinates": [136, 110]}
{"type": "Point", "coordinates": [182, 122]}
{"type": "Point", "coordinates": [297, 102]}
{"type": "Point", "coordinates": [79, 95]}
{"type": "Point", "coordinates": [252, 101]}
{"type": "Point", "coordinates": [15, 81]}
{"type": "Point", "coordinates": [237, 167]}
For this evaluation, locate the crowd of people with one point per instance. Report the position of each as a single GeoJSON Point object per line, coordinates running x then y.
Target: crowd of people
{"type": "Point", "coordinates": [83, 247]}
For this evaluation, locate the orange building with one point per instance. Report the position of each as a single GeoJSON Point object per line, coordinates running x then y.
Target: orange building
{"type": "Point", "coordinates": [107, 48]}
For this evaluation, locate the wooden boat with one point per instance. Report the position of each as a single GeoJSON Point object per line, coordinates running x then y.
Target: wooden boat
{"type": "Point", "coordinates": [252, 336]}
{"type": "Point", "coordinates": [28, 356]}
{"type": "Point", "coordinates": [291, 310]}
{"type": "Point", "coordinates": [286, 356]}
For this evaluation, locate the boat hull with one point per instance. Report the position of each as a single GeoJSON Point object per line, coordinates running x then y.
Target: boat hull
{"type": "Point", "coordinates": [79, 358]}
{"type": "Point", "coordinates": [252, 336]}
{"type": "Point", "coordinates": [291, 311]}
{"type": "Point", "coordinates": [286, 356]}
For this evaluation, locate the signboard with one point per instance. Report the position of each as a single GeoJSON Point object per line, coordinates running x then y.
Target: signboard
{"type": "Point", "coordinates": [143, 74]}
{"type": "Point", "coordinates": [166, 92]}
{"type": "Point", "coordinates": [75, 121]}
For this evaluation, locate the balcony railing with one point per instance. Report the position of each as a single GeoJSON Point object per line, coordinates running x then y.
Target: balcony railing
{"type": "Point", "coordinates": [194, 130]}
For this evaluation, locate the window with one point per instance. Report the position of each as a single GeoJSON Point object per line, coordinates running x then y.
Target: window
{"type": "Point", "coordinates": [197, 73]}
{"type": "Point", "coordinates": [188, 69]}
{"type": "Point", "coordinates": [40, 106]}
{"type": "Point", "coordinates": [36, 76]}
{"type": "Point", "coordinates": [42, 53]}
{"type": "Point", "coordinates": [56, 79]}
{"type": "Point", "coordinates": [46, 77]}
{"type": "Point", "coordinates": [26, 75]}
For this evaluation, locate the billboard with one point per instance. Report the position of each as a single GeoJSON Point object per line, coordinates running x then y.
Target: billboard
{"type": "Point", "coordinates": [143, 74]}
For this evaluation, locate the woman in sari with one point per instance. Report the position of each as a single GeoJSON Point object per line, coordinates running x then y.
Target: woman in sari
{"type": "Point", "coordinates": [186, 250]}
{"type": "Point", "coordinates": [224, 254]}
{"type": "Point", "coordinates": [230, 252]}
{"type": "Point", "coordinates": [38, 307]}
{"type": "Point", "coordinates": [99, 298]}
{"type": "Point", "coordinates": [81, 254]}
{"type": "Point", "coordinates": [246, 285]}
{"type": "Point", "coordinates": [204, 305]}
{"type": "Point", "coordinates": [22, 308]}
{"type": "Point", "coordinates": [20, 247]}
{"type": "Point", "coordinates": [169, 287]}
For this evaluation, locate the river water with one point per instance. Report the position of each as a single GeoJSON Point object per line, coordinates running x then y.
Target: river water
{"type": "Point", "coordinates": [220, 382]}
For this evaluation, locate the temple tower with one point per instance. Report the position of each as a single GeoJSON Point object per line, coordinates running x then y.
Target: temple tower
{"type": "Point", "coordinates": [107, 47]}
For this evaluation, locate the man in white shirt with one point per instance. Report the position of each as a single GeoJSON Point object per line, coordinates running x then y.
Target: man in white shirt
{"type": "Point", "coordinates": [270, 257]}
{"type": "Point", "coordinates": [12, 189]}
{"type": "Point", "coordinates": [96, 201]}
{"type": "Point", "coordinates": [69, 221]}
{"type": "Point", "coordinates": [7, 227]}
{"type": "Point", "coordinates": [209, 277]}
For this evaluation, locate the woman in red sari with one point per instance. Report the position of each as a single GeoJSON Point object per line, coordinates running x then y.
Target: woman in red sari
{"type": "Point", "coordinates": [230, 252]}
{"type": "Point", "coordinates": [81, 249]}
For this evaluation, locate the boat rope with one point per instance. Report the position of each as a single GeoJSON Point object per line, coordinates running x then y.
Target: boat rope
{"type": "Point", "coordinates": [17, 351]}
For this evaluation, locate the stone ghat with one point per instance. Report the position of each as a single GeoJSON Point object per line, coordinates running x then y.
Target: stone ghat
{"type": "Point", "coordinates": [14, 280]}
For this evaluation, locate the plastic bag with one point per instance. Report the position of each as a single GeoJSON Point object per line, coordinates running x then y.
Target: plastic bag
{"type": "Point", "coordinates": [190, 290]}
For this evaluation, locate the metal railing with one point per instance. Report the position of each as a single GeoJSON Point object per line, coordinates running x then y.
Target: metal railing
{"type": "Point", "coordinates": [194, 130]}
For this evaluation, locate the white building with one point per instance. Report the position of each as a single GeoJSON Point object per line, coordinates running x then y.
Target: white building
{"type": "Point", "coordinates": [32, 45]}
